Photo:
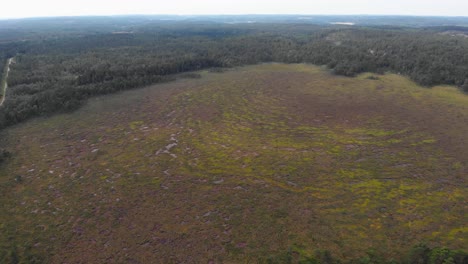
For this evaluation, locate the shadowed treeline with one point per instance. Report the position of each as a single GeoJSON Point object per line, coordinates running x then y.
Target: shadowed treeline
{"type": "Point", "coordinates": [59, 72]}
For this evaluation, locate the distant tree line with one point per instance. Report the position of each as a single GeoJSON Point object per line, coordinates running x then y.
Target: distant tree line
{"type": "Point", "coordinates": [60, 73]}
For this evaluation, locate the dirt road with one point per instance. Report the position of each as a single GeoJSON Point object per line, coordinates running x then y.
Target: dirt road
{"type": "Point", "coordinates": [4, 81]}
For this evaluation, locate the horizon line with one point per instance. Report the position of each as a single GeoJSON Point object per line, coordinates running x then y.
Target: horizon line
{"type": "Point", "coordinates": [227, 15]}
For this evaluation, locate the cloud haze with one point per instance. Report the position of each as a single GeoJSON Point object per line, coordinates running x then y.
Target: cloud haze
{"type": "Point", "coordinates": [34, 8]}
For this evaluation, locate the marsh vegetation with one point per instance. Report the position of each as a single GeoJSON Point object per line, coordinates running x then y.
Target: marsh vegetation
{"type": "Point", "coordinates": [271, 163]}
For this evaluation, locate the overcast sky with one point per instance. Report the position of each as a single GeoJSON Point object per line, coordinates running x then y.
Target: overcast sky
{"type": "Point", "coordinates": [34, 8]}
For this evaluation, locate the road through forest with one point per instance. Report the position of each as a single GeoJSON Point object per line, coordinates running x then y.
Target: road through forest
{"type": "Point", "coordinates": [4, 81]}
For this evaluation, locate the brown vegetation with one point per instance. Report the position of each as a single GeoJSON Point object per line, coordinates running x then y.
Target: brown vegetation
{"type": "Point", "coordinates": [240, 166]}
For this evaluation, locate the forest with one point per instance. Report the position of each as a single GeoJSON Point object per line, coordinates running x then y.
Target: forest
{"type": "Point", "coordinates": [57, 72]}
{"type": "Point", "coordinates": [388, 171]}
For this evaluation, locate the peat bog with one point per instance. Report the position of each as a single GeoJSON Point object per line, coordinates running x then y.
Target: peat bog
{"type": "Point", "coordinates": [239, 166]}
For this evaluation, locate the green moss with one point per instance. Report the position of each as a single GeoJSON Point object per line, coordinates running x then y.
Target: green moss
{"type": "Point", "coordinates": [135, 124]}
{"type": "Point", "coordinates": [371, 132]}
{"type": "Point", "coordinates": [424, 141]}
{"type": "Point", "coordinates": [355, 173]}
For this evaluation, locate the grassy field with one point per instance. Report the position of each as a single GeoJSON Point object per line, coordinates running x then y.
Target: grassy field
{"type": "Point", "coordinates": [239, 167]}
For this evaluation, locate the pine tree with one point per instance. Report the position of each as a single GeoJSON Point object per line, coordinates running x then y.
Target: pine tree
{"type": "Point", "coordinates": [465, 86]}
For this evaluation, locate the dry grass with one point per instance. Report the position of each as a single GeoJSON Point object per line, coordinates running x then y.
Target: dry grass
{"type": "Point", "coordinates": [238, 166]}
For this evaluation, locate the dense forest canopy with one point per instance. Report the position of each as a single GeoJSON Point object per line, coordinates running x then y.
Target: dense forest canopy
{"type": "Point", "coordinates": [58, 65]}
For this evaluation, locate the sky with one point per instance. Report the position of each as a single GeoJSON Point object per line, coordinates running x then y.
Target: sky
{"type": "Point", "coordinates": [44, 8]}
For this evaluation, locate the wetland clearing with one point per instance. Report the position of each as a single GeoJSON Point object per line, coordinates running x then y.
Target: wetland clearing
{"type": "Point", "coordinates": [241, 165]}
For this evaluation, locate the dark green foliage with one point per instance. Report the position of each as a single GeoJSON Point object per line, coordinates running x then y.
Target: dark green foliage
{"type": "Point", "coordinates": [57, 74]}
{"type": "Point", "coordinates": [420, 254]}
{"type": "Point", "coordinates": [447, 256]}
{"type": "Point", "coordinates": [286, 258]}
{"type": "Point", "coordinates": [324, 257]}
{"type": "Point", "coordinates": [465, 86]}
{"type": "Point", "coordinates": [15, 255]}
{"type": "Point", "coordinates": [4, 154]}
{"type": "Point", "coordinates": [372, 257]}
{"type": "Point", "coordinates": [18, 178]}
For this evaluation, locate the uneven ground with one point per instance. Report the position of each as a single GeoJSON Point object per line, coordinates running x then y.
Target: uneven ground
{"type": "Point", "coordinates": [241, 166]}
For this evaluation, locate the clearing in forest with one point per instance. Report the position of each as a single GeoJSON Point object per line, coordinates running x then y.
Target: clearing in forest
{"type": "Point", "coordinates": [239, 166]}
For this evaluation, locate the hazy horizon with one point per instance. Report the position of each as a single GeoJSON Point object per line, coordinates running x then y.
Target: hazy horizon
{"type": "Point", "coordinates": [227, 15]}
{"type": "Point", "coordinates": [56, 8]}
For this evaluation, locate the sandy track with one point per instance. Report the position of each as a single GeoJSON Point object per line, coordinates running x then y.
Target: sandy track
{"type": "Point", "coordinates": [5, 86]}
